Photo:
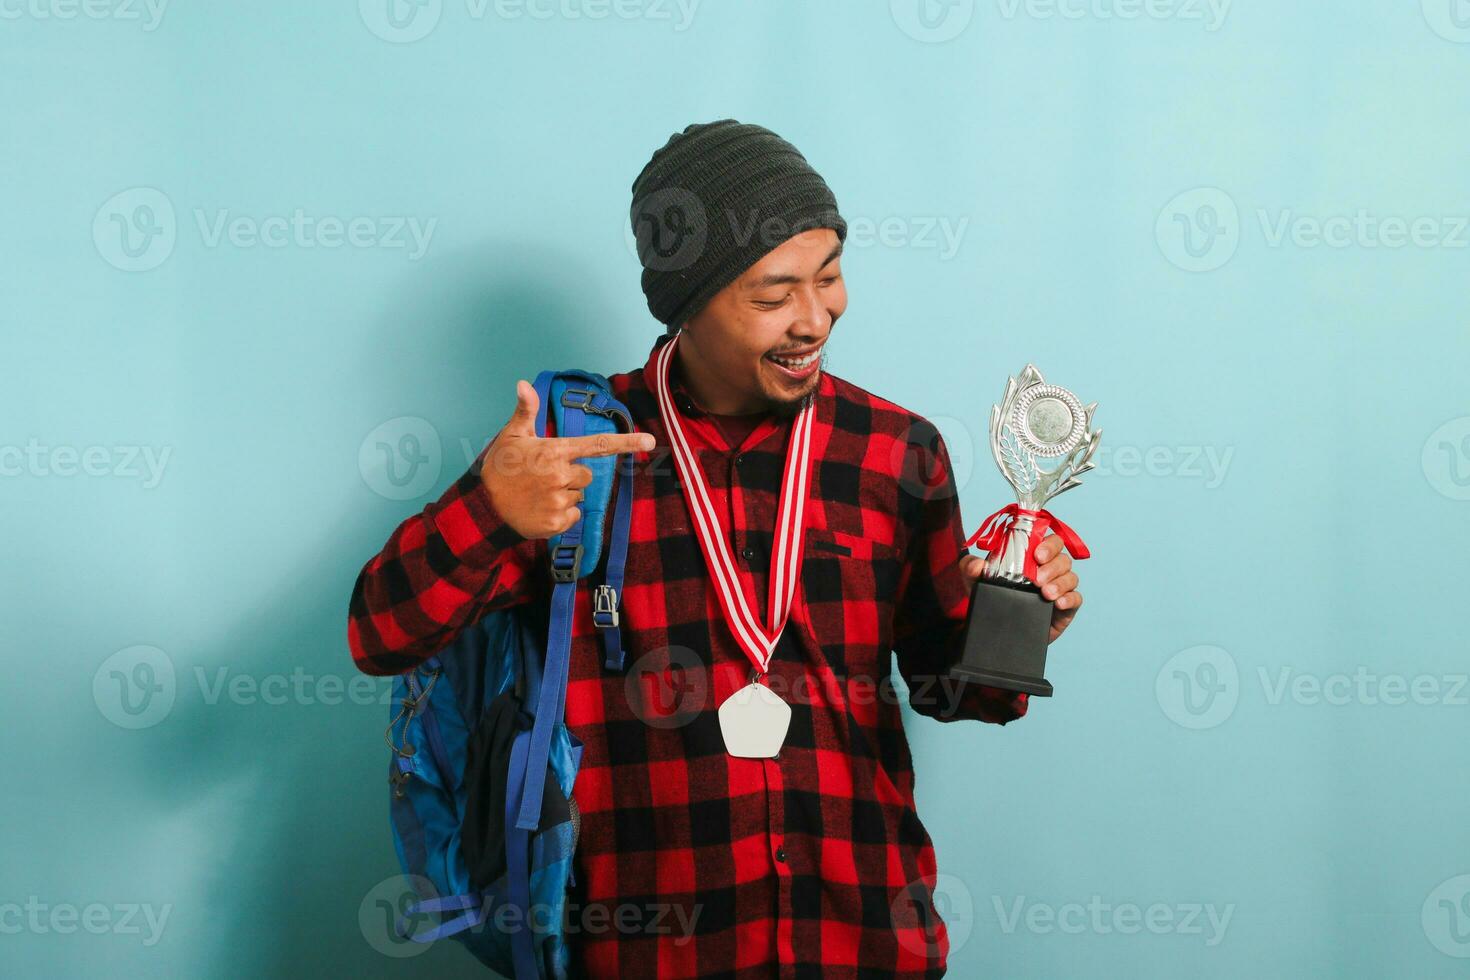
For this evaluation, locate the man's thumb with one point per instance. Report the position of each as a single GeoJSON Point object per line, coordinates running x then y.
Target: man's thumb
{"type": "Point", "coordinates": [523, 420]}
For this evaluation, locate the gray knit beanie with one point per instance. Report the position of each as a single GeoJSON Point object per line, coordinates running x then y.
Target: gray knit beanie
{"type": "Point", "coordinates": [714, 200]}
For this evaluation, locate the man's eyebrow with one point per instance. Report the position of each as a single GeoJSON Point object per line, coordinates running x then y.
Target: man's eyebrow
{"type": "Point", "coordinates": [774, 280]}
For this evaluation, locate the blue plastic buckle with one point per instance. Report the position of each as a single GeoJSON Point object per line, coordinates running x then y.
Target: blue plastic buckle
{"type": "Point", "coordinates": [605, 607]}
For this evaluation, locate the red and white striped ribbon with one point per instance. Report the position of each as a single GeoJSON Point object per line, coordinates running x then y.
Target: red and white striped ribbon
{"type": "Point", "coordinates": [757, 642]}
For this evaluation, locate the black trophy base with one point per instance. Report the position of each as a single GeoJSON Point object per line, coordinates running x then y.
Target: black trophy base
{"type": "Point", "coordinates": [1006, 638]}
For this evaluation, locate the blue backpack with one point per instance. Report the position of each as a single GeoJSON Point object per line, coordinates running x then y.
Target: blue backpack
{"type": "Point", "coordinates": [483, 764]}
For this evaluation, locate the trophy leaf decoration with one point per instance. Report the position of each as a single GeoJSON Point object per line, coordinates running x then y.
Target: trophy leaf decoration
{"type": "Point", "coordinates": [1020, 467]}
{"type": "Point", "coordinates": [1033, 485]}
{"type": "Point", "coordinates": [1079, 460]}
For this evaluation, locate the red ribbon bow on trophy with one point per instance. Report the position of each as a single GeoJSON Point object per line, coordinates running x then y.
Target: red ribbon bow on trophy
{"type": "Point", "coordinates": [991, 537]}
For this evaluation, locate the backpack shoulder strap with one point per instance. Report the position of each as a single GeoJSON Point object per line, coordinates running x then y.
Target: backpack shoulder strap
{"type": "Point", "coordinates": [581, 403]}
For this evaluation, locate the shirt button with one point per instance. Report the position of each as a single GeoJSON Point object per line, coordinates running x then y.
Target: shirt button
{"type": "Point", "coordinates": [781, 854]}
{"type": "Point", "coordinates": [747, 553]}
{"type": "Point", "coordinates": [740, 458]}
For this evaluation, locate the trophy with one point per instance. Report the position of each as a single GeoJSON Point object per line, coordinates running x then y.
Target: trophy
{"type": "Point", "coordinates": [1010, 622]}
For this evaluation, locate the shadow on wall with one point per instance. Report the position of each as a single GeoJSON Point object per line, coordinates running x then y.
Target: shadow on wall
{"type": "Point", "coordinates": [296, 865]}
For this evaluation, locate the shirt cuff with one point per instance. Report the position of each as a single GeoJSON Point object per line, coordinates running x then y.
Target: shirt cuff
{"type": "Point", "coordinates": [472, 527]}
{"type": "Point", "coordinates": [1000, 705]}
{"type": "Point", "coordinates": [981, 702]}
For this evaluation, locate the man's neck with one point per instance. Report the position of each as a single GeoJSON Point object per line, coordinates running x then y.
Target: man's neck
{"type": "Point", "coordinates": [709, 389]}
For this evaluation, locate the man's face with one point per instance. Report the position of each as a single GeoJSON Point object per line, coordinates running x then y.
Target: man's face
{"type": "Point", "coordinates": [761, 341]}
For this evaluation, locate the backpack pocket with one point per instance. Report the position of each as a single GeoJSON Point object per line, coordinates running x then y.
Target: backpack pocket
{"type": "Point", "coordinates": [486, 783]}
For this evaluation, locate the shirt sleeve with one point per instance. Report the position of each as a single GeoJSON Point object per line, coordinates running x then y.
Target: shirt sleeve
{"type": "Point", "coordinates": [934, 599]}
{"type": "Point", "coordinates": [440, 571]}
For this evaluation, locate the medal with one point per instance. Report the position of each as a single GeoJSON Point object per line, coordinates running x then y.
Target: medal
{"type": "Point", "coordinates": [754, 719]}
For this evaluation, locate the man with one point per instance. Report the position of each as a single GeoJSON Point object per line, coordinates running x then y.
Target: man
{"type": "Point", "coordinates": [809, 861]}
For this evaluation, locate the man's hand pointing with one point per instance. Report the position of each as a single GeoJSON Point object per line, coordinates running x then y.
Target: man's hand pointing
{"type": "Point", "coordinates": [535, 483]}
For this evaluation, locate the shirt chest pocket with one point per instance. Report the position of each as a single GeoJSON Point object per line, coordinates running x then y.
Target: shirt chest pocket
{"type": "Point", "coordinates": [847, 587]}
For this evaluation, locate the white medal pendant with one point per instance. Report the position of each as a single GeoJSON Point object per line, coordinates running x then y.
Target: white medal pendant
{"type": "Point", "coordinates": [753, 721]}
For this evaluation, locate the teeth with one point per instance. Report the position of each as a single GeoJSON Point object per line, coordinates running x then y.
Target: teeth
{"type": "Point", "coordinates": [795, 363]}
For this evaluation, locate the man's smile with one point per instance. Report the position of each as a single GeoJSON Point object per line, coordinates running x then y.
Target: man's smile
{"type": "Point", "coordinates": [796, 365]}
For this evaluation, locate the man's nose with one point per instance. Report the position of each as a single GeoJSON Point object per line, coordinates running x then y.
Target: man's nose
{"type": "Point", "coordinates": [813, 320]}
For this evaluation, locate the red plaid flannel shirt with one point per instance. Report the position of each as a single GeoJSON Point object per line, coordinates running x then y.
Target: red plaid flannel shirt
{"type": "Point", "coordinates": [693, 863]}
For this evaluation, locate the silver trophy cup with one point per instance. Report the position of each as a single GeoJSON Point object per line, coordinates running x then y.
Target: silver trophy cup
{"type": "Point", "coordinates": [1010, 622]}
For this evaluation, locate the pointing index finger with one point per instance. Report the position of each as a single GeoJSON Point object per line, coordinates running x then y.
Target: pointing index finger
{"type": "Point", "coordinates": [605, 444]}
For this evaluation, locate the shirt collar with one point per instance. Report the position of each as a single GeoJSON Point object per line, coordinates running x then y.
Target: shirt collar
{"type": "Point", "coordinates": [709, 433]}
{"type": "Point", "coordinates": [683, 400]}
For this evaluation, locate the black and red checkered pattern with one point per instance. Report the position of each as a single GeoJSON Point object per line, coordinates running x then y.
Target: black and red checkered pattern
{"type": "Point", "coordinates": [693, 863]}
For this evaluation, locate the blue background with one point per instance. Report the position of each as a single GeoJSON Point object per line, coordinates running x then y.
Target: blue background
{"type": "Point", "coordinates": [1117, 187]}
